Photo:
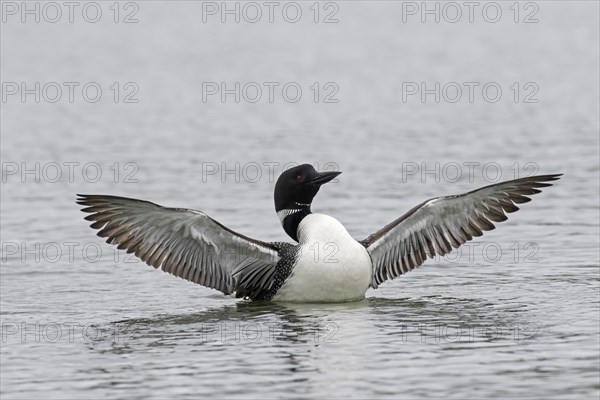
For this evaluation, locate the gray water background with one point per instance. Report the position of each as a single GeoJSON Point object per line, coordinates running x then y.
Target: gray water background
{"type": "Point", "coordinates": [521, 323]}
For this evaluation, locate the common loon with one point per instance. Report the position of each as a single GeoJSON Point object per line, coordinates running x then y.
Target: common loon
{"type": "Point", "coordinates": [326, 264]}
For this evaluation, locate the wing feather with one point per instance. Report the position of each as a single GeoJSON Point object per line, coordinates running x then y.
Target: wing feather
{"type": "Point", "coordinates": [438, 225]}
{"type": "Point", "coordinates": [183, 242]}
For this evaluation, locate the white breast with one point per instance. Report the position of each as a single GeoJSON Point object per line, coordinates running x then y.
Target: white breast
{"type": "Point", "coordinates": [331, 266]}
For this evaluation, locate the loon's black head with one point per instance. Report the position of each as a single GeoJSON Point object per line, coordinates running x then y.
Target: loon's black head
{"type": "Point", "coordinates": [294, 193]}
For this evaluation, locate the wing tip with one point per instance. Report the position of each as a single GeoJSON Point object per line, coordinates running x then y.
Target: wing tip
{"type": "Point", "coordinates": [545, 178]}
{"type": "Point", "coordinates": [81, 198]}
{"type": "Point", "coordinates": [87, 199]}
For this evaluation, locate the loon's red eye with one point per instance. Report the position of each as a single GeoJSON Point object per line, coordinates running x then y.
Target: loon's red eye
{"type": "Point", "coordinates": [299, 177]}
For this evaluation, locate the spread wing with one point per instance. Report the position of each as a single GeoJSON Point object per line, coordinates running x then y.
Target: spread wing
{"type": "Point", "coordinates": [186, 243]}
{"type": "Point", "coordinates": [439, 224]}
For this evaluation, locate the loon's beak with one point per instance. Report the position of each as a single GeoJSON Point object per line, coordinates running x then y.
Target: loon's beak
{"type": "Point", "coordinates": [324, 177]}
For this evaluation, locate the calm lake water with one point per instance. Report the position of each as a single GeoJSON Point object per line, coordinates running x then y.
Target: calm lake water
{"type": "Point", "coordinates": [406, 109]}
